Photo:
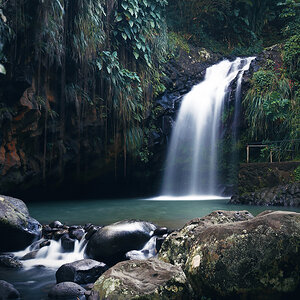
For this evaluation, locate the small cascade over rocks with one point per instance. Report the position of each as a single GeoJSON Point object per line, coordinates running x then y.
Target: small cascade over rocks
{"type": "Point", "coordinates": [80, 254]}
{"type": "Point", "coordinates": [52, 255]}
{"type": "Point", "coordinates": [110, 244]}
{"type": "Point", "coordinates": [192, 162]}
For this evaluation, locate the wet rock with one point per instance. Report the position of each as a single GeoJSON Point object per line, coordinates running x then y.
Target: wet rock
{"type": "Point", "coordinates": [82, 272]}
{"type": "Point", "coordinates": [56, 224]}
{"type": "Point", "coordinates": [87, 227]}
{"type": "Point", "coordinates": [67, 243]}
{"type": "Point", "coordinates": [167, 124]}
{"type": "Point", "coordinates": [232, 258]}
{"type": "Point", "coordinates": [73, 227]}
{"type": "Point", "coordinates": [159, 242]}
{"type": "Point", "coordinates": [8, 261]}
{"type": "Point", "coordinates": [30, 255]}
{"type": "Point", "coordinates": [91, 230]}
{"type": "Point", "coordinates": [39, 244]}
{"type": "Point", "coordinates": [46, 231]}
{"type": "Point", "coordinates": [17, 228]}
{"type": "Point", "coordinates": [146, 279]}
{"type": "Point", "coordinates": [160, 231]}
{"type": "Point", "coordinates": [110, 243]}
{"type": "Point", "coordinates": [57, 235]}
{"type": "Point", "coordinates": [8, 291]}
{"type": "Point", "coordinates": [67, 291]}
{"type": "Point", "coordinates": [76, 233]}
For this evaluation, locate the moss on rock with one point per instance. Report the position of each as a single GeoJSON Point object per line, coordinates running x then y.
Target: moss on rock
{"type": "Point", "coordinates": [17, 228]}
{"type": "Point", "coordinates": [144, 280]}
{"type": "Point", "coordinates": [258, 257]}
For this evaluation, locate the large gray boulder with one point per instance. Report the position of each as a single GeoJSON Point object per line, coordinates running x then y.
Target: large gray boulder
{"type": "Point", "coordinates": [17, 228]}
{"type": "Point", "coordinates": [67, 291]}
{"type": "Point", "coordinates": [110, 243]}
{"type": "Point", "coordinates": [142, 279]}
{"type": "Point", "coordinates": [257, 258]}
{"type": "Point", "coordinates": [9, 262]}
{"type": "Point", "coordinates": [82, 271]}
{"type": "Point", "coordinates": [8, 291]}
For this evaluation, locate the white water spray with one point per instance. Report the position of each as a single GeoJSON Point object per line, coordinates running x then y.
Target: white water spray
{"type": "Point", "coordinates": [53, 256]}
{"type": "Point", "coordinates": [191, 170]}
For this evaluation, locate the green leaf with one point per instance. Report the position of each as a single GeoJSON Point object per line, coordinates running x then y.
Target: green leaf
{"type": "Point", "coordinates": [124, 36]}
{"type": "Point", "coordinates": [124, 5]}
{"type": "Point", "coordinates": [2, 69]}
{"type": "Point", "coordinates": [127, 32]}
{"type": "Point", "coordinates": [99, 65]}
{"type": "Point", "coordinates": [119, 18]}
{"type": "Point", "coordinates": [139, 45]}
{"type": "Point", "coordinates": [136, 55]}
{"type": "Point", "coordinates": [131, 11]}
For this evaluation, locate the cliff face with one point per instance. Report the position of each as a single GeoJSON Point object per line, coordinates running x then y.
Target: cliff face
{"type": "Point", "coordinates": [33, 153]}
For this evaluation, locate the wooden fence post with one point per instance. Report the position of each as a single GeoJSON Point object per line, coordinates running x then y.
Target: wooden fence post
{"type": "Point", "coordinates": [248, 154]}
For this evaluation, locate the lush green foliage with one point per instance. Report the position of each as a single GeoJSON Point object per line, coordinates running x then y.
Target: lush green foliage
{"type": "Point", "coordinates": [90, 54]}
{"type": "Point", "coordinates": [272, 104]}
{"type": "Point", "coordinates": [267, 104]}
{"type": "Point", "coordinates": [297, 174]}
{"type": "Point", "coordinates": [237, 26]}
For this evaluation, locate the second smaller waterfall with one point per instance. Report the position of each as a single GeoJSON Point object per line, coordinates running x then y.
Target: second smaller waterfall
{"type": "Point", "coordinates": [193, 152]}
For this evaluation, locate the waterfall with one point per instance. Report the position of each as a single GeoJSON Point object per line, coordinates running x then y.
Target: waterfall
{"type": "Point", "coordinates": [245, 63]}
{"type": "Point", "coordinates": [192, 162]}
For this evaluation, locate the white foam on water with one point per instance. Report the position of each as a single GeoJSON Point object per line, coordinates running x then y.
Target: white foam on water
{"type": "Point", "coordinates": [53, 256]}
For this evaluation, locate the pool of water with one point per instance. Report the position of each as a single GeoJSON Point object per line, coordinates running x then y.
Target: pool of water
{"type": "Point", "coordinates": [35, 283]}
{"type": "Point", "coordinates": [172, 214]}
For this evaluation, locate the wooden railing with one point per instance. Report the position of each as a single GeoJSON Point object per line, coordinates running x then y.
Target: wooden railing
{"type": "Point", "coordinates": [272, 146]}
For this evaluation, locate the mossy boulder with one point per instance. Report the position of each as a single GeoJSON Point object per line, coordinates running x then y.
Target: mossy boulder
{"type": "Point", "coordinates": [174, 248]}
{"type": "Point", "coordinates": [17, 228]}
{"type": "Point", "coordinates": [142, 280]}
{"type": "Point", "coordinates": [253, 259]}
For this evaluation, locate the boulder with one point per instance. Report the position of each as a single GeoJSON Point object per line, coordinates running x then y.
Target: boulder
{"type": "Point", "coordinates": [8, 291]}
{"type": "Point", "coordinates": [17, 228]}
{"type": "Point", "coordinates": [8, 261]}
{"type": "Point", "coordinates": [173, 249]}
{"type": "Point", "coordinates": [90, 231]}
{"type": "Point", "coordinates": [30, 255]}
{"type": "Point", "coordinates": [77, 233]}
{"type": "Point", "coordinates": [254, 258]}
{"type": "Point", "coordinates": [39, 244]}
{"type": "Point", "coordinates": [82, 271]}
{"type": "Point", "coordinates": [56, 224]}
{"type": "Point", "coordinates": [142, 279]}
{"type": "Point", "coordinates": [110, 243]}
{"type": "Point", "coordinates": [67, 291]}
{"type": "Point", "coordinates": [67, 243]}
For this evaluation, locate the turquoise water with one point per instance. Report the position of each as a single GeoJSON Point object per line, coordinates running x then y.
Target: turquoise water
{"type": "Point", "coordinates": [172, 214]}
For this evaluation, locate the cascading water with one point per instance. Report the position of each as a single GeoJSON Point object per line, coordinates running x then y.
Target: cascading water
{"type": "Point", "coordinates": [192, 156]}
{"type": "Point", "coordinates": [53, 256]}
{"type": "Point", "coordinates": [236, 118]}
